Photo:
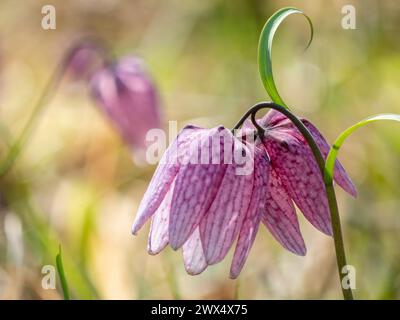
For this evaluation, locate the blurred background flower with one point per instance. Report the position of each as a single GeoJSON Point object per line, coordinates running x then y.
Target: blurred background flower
{"type": "Point", "coordinates": [84, 59]}
{"type": "Point", "coordinates": [75, 184]}
{"type": "Point", "coordinates": [127, 95]}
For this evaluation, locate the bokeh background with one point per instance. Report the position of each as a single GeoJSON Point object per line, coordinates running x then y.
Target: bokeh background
{"type": "Point", "coordinates": [76, 185]}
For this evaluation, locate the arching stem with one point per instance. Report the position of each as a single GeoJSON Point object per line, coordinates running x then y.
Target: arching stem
{"type": "Point", "coordinates": [330, 191]}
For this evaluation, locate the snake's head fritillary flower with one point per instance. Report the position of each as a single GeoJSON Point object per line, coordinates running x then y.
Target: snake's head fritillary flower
{"type": "Point", "coordinates": [295, 179]}
{"type": "Point", "coordinates": [204, 207]}
{"type": "Point", "coordinates": [203, 198]}
{"type": "Point", "coordinates": [127, 95]}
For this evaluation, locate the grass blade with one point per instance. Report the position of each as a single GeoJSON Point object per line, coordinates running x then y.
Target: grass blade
{"type": "Point", "coordinates": [61, 273]}
{"type": "Point", "coordinates": [265, 50]}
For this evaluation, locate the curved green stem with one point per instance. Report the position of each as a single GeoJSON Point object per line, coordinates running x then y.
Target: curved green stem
{"type": "Point", "coordinates": [330, 192]}
{"type": "Point", "coordinates": [46, 96]}
{"type": "Point", "coordinates": [330, 160]}
{"type": "Point", "coordinates": [265, 50]}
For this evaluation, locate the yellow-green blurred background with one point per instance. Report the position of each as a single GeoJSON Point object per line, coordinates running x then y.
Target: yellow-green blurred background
{"type": "Point", "coordinates": [75, 183]}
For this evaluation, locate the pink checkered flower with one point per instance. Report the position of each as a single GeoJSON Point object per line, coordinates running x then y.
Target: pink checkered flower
{"type": "Point", "coordinates": [295, 179]}
{"type": "Point", "coordinates": [205, 207]}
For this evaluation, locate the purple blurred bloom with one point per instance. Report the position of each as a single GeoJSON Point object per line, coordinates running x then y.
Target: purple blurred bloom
{"type": "Point", "coordinates": [83, 61]}
{"type": "Point", "coordinates": [128, 97]}
{"type": "Point", "coordinates": [205, 207]}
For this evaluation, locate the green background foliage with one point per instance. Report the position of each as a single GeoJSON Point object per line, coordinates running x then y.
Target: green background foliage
{"type": "Point", "coordinates": [75, 183]}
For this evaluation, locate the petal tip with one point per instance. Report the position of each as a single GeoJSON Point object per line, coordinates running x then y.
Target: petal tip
{"type": "Point", "coordinates": [328, 231]}
{"type": "Point", "coordinates": [212, 259]}
{"type": "Point", "coordinates": [301, 252]}
{"type": "Point", "coordinates": [152, 253]}
{"type": "Point", "coordinates": [134, 230]}
{"type": "Point", "coordinates": [191, 272]}
{"type": "Point", "coordinates": [298, 249]}
{"type": "Point", "coordinates": [354, 193]}
{"type": "Point", "coordinates": [175, 246]}
{"type": "Point", "coordinates": [350, 188]}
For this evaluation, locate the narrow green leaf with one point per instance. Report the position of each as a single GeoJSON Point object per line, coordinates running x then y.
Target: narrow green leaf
{"type": "Point", "coordinates": [330, 160]}
{"type": "Point", "coordinates": [265, 50]}
{"type": "Point", "coordinates": [61, 273]}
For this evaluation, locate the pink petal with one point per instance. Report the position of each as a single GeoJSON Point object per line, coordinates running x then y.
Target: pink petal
{"type": "Point", "coordinates": [272, 118]}
{"type": "Point", "coordinates": [221, 226]}
{"type": "Point", "coordinates": [196, 187]}
{"type": "Point", "coordinates": [280, 216]}
{"type": "Point", "coordinates": [158, 237]}
{"type": "Point", "coordinates": [252, 220]}
{"type": "Point", "coordinates": [276, 120]}
{"type": "Point", "coordinates": [193, 255]}
{"type": "Point", "coordinates": [296, 167]}
{"type": "Point", "coordinates": [340, 174]}
{"type": "Point", "coordinates": [139, 98]}
{"type": "Point", "coordinates": [247, 125]}
{"type": "Point", "coordinates": [128, 97]}
{"type": "Point", "coordinates": [163, 177]}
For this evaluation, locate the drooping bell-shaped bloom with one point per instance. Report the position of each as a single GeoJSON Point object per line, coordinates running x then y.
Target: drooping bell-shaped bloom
{"type": "Point", "coordinates": [295, 179]}
{"type": "Point", "coordinates": [127, 95]}
{"type": "Point", "coordinates": [204, 207]}
{"type": "Point", "coordinates": [205, 194]}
